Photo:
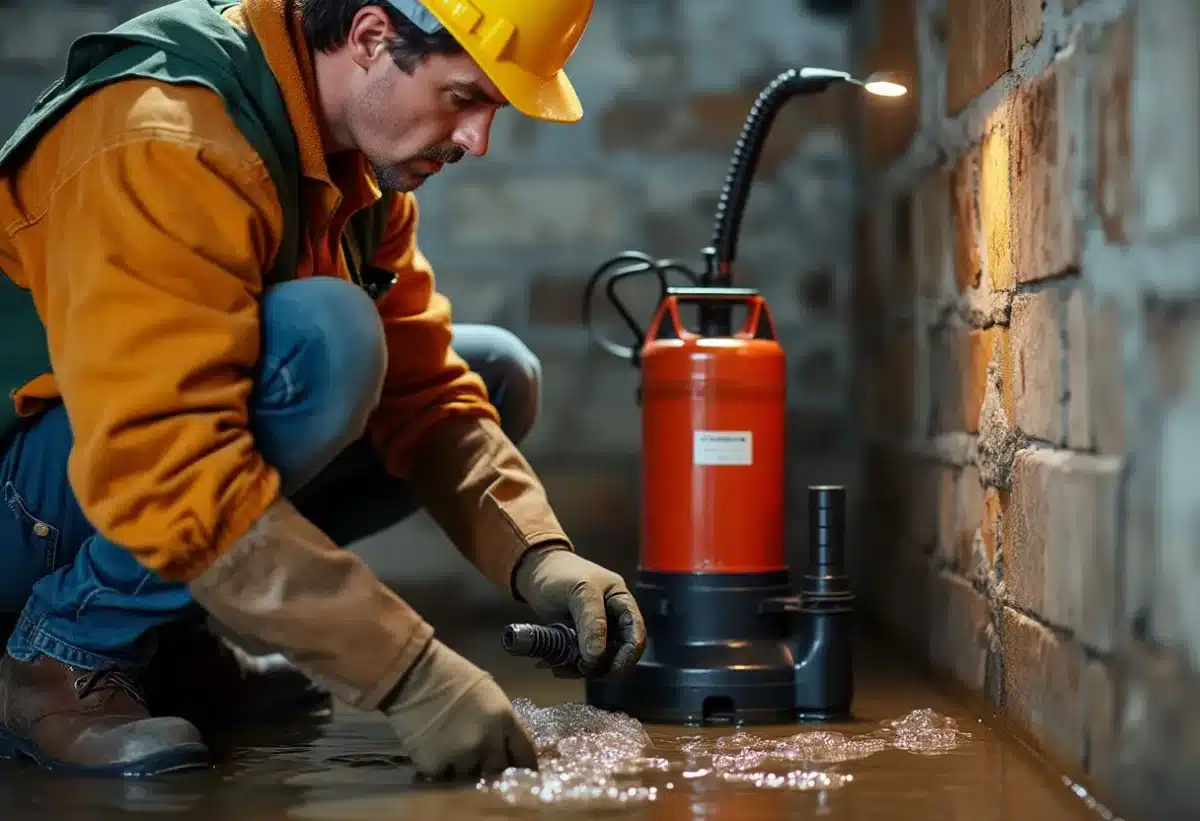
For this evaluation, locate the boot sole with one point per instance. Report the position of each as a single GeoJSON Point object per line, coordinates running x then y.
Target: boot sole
{"type": "Point", "coordinates": [183, 757]}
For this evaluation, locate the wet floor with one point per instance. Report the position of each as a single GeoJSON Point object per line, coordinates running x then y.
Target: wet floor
{"type": "Point", "coordinates": [344, 766]}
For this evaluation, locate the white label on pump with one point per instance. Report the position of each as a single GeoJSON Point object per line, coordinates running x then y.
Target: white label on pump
{"type": "Point", "coordinates": [723, 447]}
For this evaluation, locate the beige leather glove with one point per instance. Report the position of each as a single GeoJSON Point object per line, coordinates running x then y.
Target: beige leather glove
{"type": "Point", "coordinates": [285, 583]}
{"type": "Point", "coordinates": [474, 482]}
{"type": "Point", "coordinates": [455, 720]}
{"type": "Point", "coordinates": [561, 585]}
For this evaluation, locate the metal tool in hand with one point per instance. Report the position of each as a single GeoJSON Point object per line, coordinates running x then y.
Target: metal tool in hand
{"type": "Point", "coordinates": [556, 646]}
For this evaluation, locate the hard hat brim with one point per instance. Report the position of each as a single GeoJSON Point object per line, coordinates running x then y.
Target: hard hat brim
{"type": "Point", "coordinates": [551, 98]}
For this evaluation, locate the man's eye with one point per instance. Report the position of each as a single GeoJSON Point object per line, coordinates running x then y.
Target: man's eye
{"type": "Point", "coordinates": [459, 100]}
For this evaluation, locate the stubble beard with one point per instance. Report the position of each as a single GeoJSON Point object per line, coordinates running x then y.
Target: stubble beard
{"type": "Point", "coordinates": [401, 178]}
{"type": "Point", "coordinates": [396, 178]}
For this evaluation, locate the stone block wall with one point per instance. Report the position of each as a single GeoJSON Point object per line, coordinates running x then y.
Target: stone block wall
{"type": "Point", "coordinates": [1026, 297]}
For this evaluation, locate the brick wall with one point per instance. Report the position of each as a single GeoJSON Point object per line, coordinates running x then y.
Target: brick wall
{"type": "Point", "coordinates": [513, 236]}
{"type": "Point", "coordinates": [1027, 319]}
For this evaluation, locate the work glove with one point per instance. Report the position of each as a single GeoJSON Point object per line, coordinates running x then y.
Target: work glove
{"type": "Point", "coordinates": [562, 586]}
{"type": "Point", "coordinates": [285, 584]}
{"type": "Point", "coordinates": [454, 719]}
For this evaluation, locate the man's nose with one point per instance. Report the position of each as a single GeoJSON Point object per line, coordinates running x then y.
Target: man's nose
{"type": "Point", "coordinates": [474, 131]}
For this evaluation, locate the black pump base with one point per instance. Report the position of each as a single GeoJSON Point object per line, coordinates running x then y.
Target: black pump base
{"type": "Point", "coordinates": [722, 694]}
{"type": "Point", "coordinates": [735, 649]}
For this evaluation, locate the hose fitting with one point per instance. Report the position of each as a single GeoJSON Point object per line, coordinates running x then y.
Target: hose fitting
{"type": "Point", "coordinates": [556, 644]}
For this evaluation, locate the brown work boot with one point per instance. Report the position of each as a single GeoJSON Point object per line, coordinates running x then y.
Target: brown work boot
{"type": "Point", "coordinates": [213, 683]}
{"type": "Point", "coordinates": [88, 722]}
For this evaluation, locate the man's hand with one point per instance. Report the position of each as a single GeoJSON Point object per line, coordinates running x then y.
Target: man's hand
{"type": "Point", "coordinates": [454, 721]}
{"type": "Point", "coordinates": [558, 584]}
{"type": "Point", "coordinates": [285, 583]}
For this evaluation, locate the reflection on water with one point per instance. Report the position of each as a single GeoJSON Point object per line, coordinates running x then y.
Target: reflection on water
{"type": "Point", "coordinates": [903, 757]}
{"type": "Point", "coordinates": [589, 756]}
{"type": "Point", "coordinates": [1090, 801]}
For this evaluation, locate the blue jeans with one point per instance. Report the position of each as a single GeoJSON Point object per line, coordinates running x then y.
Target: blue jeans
{"type": "Point", "coordinates": [85, 601]}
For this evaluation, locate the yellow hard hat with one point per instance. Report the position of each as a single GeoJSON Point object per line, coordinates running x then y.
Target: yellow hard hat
{"type": "Point", "coordinates": [522, 45]}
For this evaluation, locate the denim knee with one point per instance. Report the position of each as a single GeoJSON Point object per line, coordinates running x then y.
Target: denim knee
{"type": "Point", "coordinates": [511, 371]}
{"type": "Point", "coordinates": [325, 359]}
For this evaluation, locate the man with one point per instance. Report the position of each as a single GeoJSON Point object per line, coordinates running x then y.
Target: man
{"type": "Point", "coordinates": [212, 301]}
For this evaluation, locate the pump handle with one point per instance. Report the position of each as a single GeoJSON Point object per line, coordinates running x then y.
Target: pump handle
{"type": "Point", "coordinates": [667, 323]}
{"type": "Point", "coordinates": [715, 294]}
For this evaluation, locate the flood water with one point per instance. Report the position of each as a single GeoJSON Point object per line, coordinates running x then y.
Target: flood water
{"type": "Point", "coordinates": [915, 750]}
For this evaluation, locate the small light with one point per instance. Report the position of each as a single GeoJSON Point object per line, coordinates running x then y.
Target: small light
{"type": "Point", "coordinates": [885, 88]}
{"type": "Point", "coordinates": [883, 84]}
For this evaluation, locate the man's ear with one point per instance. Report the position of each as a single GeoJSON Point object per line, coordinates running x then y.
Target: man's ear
{"type": "Point", "coordinates": [368, 35]}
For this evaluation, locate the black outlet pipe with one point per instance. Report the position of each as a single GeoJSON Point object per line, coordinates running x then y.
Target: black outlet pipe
{"type": "Point", "coordinates": [827, 536]}
{"type": "Point", "coordinates": [824, 647]}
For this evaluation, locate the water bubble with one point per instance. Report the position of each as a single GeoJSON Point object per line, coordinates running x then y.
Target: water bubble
{"type": "Point", "coordinates": [922, 731]}
{"type": "Point", "coordinates": [584, 755]}
{"type": "Point", "coordinates": [592, 756]}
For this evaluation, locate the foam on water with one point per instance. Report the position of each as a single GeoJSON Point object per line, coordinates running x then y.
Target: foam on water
{"type": "Point", "coordinates": [588, 755]}
{"type": "Point", "coordinates": [584, 754]}
{"type": "Point", "coordinates": [922, 731]}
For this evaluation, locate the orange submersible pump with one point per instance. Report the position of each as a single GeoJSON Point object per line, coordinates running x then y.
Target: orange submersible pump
{"type": "Point", "coordinates": [730, 640]}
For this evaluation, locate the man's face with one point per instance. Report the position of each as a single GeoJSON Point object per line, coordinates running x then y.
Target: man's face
{"type": "Point", "coordinates": [409, 125]}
